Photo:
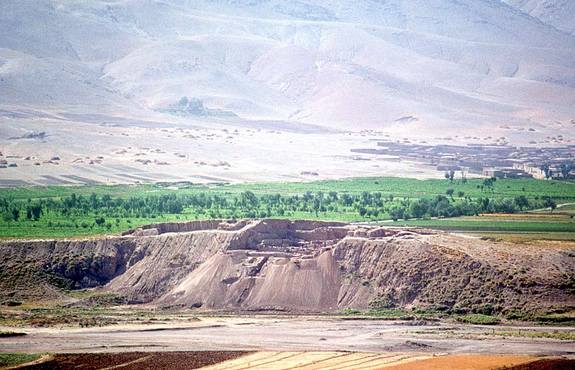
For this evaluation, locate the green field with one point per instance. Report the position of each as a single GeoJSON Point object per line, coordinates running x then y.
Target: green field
{"type": "Point", "coordinates": [400, 187]}
{"type": "Point", "coordinates": [13, 359]}
{"type": "Point", "coordinates": [536, 225]}
{"type": "Point", "coordinates": [497, 224]}
{"type": "Point", "coordinates": [64, 211]}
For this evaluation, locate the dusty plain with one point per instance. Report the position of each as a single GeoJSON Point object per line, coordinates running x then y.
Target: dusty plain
{"type": "Point", "coordinates": [281, 333]}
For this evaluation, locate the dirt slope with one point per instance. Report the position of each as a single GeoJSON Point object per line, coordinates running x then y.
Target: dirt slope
{"type": "Point", "coordinates": [296, 266]}
{"type": "Point", "coordinates": [40, 269]}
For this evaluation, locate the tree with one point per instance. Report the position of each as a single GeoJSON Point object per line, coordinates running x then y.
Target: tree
{"type": "Point", "coordinates": [15, 214]}
{"type": "Point", "coordinates": [174, 206]}
{"type": "Point", "coordinates": [505, 205]}
{"type": "Point", "coordinates": [450, 192]}
{"type": "Point", "coordinates": [106, 200]}
{"type": "Point", "coordinates": [546, 170]}
{"type": "Point", "coordinates": [484, 204]}
{"type": "Point", "coordinates": [7, 216]}
{"type": "Point", "coordinates": [565, 169]}
{"type": "Point", "coordinates": [548, 202]}
{"type": "Point", "coordinates": [521, 202]}
{"type": "Point", "coordinates": [397, 212]}
{"type": "Point", "coordinates": [442, 207]}
{"type": "Point", "coordinates": [249, 200]}
{"type": "Point", "coordinates": [94, 202]}
{"type": "Point", "coordinates": [490, 182]}
{"type": "Point", "coordinates": [34, 212]}
{"type": "Point", "coordinates": [419, 208]}
{"type": "Point", "coordinates": [347, 199]}
{"type": "Point", "coordinates": [100, 220]}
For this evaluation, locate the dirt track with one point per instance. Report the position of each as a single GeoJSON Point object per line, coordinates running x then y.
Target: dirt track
{"type": "Point", "coordinates": [285, 334]}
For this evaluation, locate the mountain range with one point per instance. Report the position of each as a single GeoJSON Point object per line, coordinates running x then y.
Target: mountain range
{"type": "Point", "coordinates": [341, 64]}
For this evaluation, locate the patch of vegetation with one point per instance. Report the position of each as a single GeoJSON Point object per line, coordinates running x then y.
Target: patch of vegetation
{"type": "Point", "coordinates": [565, 317]}
{"type": "Point", "coordinates": [393, 314]}
{"type": "Point", "coordinates": [382, 303]}
{"type": "Point", "coordinates": [11, 303]}
{"type": "Point", "coordinates": [58, 211]}
{"type": "Point", "coordinates": [9, 334]}
{"type": "Point", "coordinates": [12, 359]}
{"type": "Point", "coordinates": [83, 316]}
{"type": "Point", "coordinates": [556, 334]}
{"type": "Point", "coordinates": [100, 299]}
{"type": "Point", "coordinates": [501, 225]}
{"type": "Point", "coordinates": [478, 319]}
{"type": "Point", "coordinates": [556, 319]}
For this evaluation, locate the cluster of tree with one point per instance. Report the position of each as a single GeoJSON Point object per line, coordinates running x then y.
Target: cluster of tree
{"type": "Point", "coordinates": [78, 205]}
{"type": "Point", "coordinates": [373, 205]}
{"type": "Point", "coordinates": [564, 169]}
{"type": "Point", "coordinates": [442, 206]}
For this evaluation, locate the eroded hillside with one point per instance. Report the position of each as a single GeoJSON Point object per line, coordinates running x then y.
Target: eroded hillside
{"type": "Point", "coordinates": [296, 266]}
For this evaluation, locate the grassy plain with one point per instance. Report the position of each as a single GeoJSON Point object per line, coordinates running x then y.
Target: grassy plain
{"type": "Point", "coordinates": [399, 187]}
{"type": "Point", "coordinates": [558, 225]}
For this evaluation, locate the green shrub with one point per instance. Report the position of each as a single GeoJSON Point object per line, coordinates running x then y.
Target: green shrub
{"type": "Point", "coordinates": [479, 319]}
{"type": "Point", "coordinates": [9, 334]}
{"type": "Point", "coordinates": [382, 303]}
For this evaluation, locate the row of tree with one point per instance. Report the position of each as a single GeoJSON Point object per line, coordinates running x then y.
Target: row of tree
{"type": "Point", "coordinates": [373, 205]}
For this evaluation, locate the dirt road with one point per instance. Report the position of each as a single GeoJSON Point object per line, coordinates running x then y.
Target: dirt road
{"type": "Point", "coordinates": [292, 334]}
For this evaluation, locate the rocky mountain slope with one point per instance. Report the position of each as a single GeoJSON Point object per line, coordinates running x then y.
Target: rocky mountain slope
{"type": "Point", "coordinates": [557, 13]}
{"type": "Point", "coordinates": [341, 64]}
{"type": "Point", "coordinates": [297, 266]}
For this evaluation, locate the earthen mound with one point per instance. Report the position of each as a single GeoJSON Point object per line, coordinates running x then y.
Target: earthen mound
{"type": "Point", "coordinates": [296, 266]}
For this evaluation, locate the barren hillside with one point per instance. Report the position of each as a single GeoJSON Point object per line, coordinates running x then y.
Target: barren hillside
{"type": "Point", "coordinates": [556, 13]}
{"type": "Point", "coordinates": [295, 266]}
{"type": "Point", "coordinates": [344, 64]}
{"type": "Point", "coordinates": [265, 90]}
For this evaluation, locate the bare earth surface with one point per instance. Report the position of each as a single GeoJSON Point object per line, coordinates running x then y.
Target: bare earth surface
{"type": "Point", "coordinates": [268, 360]}
{"type": "Point", "coordinates": [169, 271]}
{"type": "Point", "coordinates": [291, 334]}
{"type": "Point", "coordinates": [134, 360]}
{"type": "Point", "coordinates": [151, 152]}
{"type": "Point", "coordinates": [295, 266]}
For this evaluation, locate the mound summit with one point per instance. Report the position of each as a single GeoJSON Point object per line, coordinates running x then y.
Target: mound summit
{"type": "Point", "coordinates": [294, 266]}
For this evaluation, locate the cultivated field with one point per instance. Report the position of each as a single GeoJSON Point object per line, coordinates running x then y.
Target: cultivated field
{"type": "Point", "coordinates": [69, 211]}
{"type": "Point", "coordinates": [267, 360]}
